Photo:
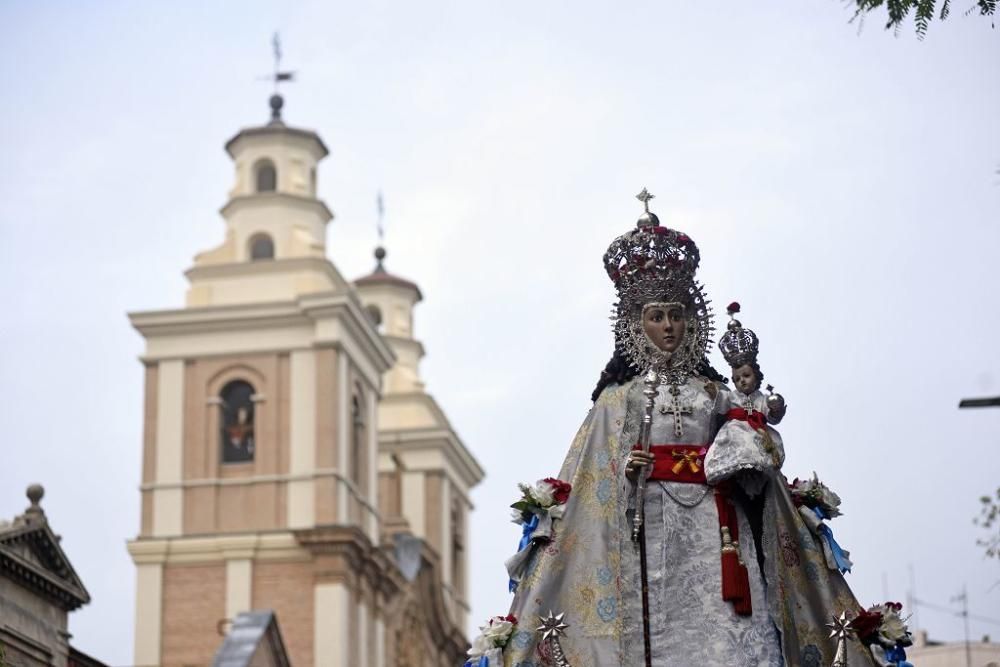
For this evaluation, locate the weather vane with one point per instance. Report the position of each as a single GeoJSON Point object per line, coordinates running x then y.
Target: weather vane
{"type": "Point", "coordinates": [278, 75]}
{"type": "Point", "coordinates": [380, 224]}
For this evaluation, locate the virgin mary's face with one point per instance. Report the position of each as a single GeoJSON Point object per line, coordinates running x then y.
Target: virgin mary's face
{"type": "Point", "coordinates": [664, 325]}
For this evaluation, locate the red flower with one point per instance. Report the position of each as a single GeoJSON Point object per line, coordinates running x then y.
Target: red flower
{"type": "Point", "coordinates": [733, 308]}
{"type": "Point", "coordinates": [895, 606]}
{"type": "Point", "coordinates": [683, 238]}
{"type": "Point", "coordinates": [511, 618]}
{"type": "Point", "coordinates": [866, 624]}
{"type": "Point", "coordinates": [560, 489]}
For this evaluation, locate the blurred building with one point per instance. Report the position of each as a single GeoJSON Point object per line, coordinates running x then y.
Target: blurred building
{"type": "Point", "coordinates": [292, 460]}
{"type": "Point", "coordinates": [929, 653]}
{"type": "Point", "coordinates": [38, 590]}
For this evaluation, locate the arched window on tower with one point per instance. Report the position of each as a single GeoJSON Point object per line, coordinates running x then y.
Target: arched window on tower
{"type": "Point", "coordinates": [312, 181]}
{"type": "Point", "coordinates": [358, 437]}
{"type": "Point", "coordinates": [375, 315]}
{"type": "Point", "coordinates": [261, 247]}
{"type": "Point", "coordinates": [265, 176]}
{"type": "Point", "coordinates": [236, 422]}
{"type": "Point", "coordinates": [457, 547]}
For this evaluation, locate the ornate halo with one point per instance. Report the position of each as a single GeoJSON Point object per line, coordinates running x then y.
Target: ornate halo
{"type": "Point", "coordinates": [641, 352]}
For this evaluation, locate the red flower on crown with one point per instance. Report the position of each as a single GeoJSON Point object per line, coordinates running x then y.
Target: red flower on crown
{"type": "Point", "coordinates": [733, 308]}
{"type": "Point", "coordinates": [560, 489]}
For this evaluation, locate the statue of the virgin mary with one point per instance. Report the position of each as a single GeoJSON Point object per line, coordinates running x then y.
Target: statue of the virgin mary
{"type": "Point", "coordinates": [725, 574]}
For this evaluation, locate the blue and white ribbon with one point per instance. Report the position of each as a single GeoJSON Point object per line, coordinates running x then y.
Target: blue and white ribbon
{"type": "Point", "coordinates": [840, 556]}
{"type": "Point", "coordinates": [837, 558]}
{"type": "Point", "coordinates": [889, 657]}
{"type": "Point", "coordinates": [523, 551]}
{"type": "Point", "coordinates": [536, 529]}
{"type": "Point", "coordinates": [492, 658]}
{"type": "Point", "coordinates": [897, 656]}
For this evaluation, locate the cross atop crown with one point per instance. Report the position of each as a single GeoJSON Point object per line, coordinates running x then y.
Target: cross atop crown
{"type": "Point", "coordinates": [644, 197]}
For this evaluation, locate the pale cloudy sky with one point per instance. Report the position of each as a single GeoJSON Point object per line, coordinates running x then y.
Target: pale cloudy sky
{"type": "Point", "coordinates": [842, 185]}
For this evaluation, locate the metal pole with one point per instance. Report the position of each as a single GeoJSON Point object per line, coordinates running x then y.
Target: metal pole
{"type": "Point", "coordinates": [965, 616]}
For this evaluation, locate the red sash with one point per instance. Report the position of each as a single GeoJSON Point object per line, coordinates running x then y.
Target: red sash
{"type": "Point", "coordinates": [679, 463]}
{"type": "Point", "coordinates": [686, 463]}
{"type": "Point", "coordinates": [757, 420]}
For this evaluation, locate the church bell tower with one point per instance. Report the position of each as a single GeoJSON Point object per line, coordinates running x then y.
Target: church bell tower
{"type": "Point", "coordinates": [260, 446]}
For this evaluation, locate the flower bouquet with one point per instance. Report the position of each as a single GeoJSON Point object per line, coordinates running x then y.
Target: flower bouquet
{"type": "Point", "coordinates": [817, 503]}
{"type": "Point", "coordinates": [884, 632]}
{"type": "Point", "coordinates": [815, 495]}
{"type": "Point", "coordinates": [487, 647]}
{"type": "Point", "coordinates": [534, 511]}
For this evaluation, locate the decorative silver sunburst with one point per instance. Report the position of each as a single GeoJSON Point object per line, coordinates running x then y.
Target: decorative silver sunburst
{"type": "Point", "coordinates": [552, 628]}
{"type": "Point", "coordinates": [841, 630]}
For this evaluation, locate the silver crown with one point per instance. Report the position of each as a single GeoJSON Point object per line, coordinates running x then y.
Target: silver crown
{"type": "Point", "coordinates": [738, 345]}
{"type": "Point", "coordinates": [651, 253]}
{"type": "Point", "coordinates": [655, 264]}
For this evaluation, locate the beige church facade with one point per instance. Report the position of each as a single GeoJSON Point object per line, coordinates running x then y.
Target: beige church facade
{"type": "Point", "coordinates": [292, 460]}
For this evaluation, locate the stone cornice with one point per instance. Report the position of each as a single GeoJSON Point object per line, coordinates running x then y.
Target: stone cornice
{"type": "Point", "coordinates": [351, 547]}
{"type": "Point", "coordinates": [53, 576]}
{"type": "Point", "coordinates": [242, 202]}
{"type": "Point", "coordinates": [269, 545]}
{"type": "Point", "coordinates": [217, 318]}
{"type": "Point", "coordinates": [347, 309]}
{"type": "Point", "coordinates": [278, 130]}
{"type": "Point", "coordinates": [336, 319]}
{"type": "Point", "coordinates": [281, 265]}
{"type": "Point", "coordinates": [419, 438]}
{"type": "Point", "coordinates": [405, 342]}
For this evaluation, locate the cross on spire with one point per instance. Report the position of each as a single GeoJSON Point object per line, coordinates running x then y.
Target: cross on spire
{"type": "Point", "coordinates": [644, 197]}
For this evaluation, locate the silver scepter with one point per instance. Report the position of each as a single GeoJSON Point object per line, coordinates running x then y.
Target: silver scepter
{"type": "Point", "coordinates": [651, 382]}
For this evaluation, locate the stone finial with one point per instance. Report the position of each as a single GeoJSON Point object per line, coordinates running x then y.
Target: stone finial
{"type": "Point", "coordinates": [276, 102]}
{"type": "Point", "coordinates": [35, 494]}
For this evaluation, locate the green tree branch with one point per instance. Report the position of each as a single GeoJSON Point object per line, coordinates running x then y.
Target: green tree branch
{"type": "Point", "coordinates": [923, 11]}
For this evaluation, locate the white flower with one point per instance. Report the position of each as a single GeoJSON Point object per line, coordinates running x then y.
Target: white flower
{"type": "Point", "coordinates": [517, 516]}
{"type": "Point", "coordinates": [829, 500]}
{"type": "Point", "coordinates": [543, 493]}
{"type": "Point", "coordinates": [480, 645]}
{"type": "Point", "coordinates": [893, 629]}
{"type": "Point", "coordinates": [498, 630]}
{"type": "Point", "coordinates": [815, 493]}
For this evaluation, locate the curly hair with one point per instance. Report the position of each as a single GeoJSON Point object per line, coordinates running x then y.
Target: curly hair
{"type": "Point", "coordinates": [756, 369]}
{"type": "Point", "coordinates": [620, 370]}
